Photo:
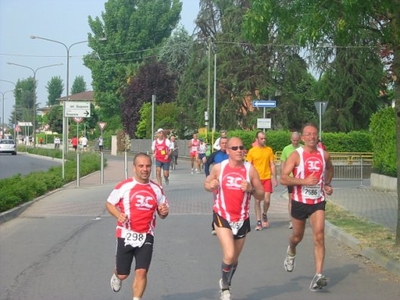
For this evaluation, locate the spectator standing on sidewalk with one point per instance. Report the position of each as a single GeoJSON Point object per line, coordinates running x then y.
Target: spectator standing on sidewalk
{"type": "Point", "coordinates": [295, 139]}
{"type": "Point", "coordinates": [312, 174]}
{"type": "Point", "coordinates": [161, 148]}
{"type": "Point", "coordinates": [135, 202]}
{"type": "Point", "coordinates": [57, 142]}
{"type": "Point", "coordinates": [262, 158]}
{"type": "Point", "coordinates": [101, 143]}
{"type": "Point", "coordinates": [174, 152]}
{"type": "Point", "coordinates": [234, 181]}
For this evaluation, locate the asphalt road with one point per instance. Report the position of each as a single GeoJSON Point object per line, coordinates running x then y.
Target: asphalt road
{"type": "Point", "coordinates": [24, 164]}
{"type": "Point", "coordinates": [62, 247]}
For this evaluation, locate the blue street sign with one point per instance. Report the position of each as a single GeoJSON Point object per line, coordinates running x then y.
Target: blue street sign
{"type": "Point", "coordinates": [264, 103]}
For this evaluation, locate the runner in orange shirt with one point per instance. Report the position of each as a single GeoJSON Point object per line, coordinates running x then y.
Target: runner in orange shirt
{"type": "Point", "coordinates": [262, 158]}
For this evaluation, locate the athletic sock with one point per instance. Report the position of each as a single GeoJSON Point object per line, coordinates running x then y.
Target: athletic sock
{"type": "Point", "coordinates": [226, 271]}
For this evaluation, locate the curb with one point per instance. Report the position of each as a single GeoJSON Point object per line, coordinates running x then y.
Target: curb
{"type": "Point", "coordinates": [389, 264]}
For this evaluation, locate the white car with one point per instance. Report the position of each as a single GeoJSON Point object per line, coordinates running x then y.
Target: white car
{"type": "Point", "coordinates": [8, 146]}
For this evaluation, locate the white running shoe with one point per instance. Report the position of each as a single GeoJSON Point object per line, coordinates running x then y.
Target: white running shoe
{"type": "Point", "coordinates": [115, 283]}
{"type": "Point", "coordinates": [225, 294]}
{"type": "Point", "coordinates": [290, 225]}
{"type": "Point", "coordinates": [289, 261]}
{"type": "Point", "coordinates": [318, 282]}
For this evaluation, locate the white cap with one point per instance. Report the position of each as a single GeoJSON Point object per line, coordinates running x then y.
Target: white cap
{"type": "Point", "coordinates": [159, 130]}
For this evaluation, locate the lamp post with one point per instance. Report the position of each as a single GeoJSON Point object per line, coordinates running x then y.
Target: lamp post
{"type": "Point", "coordinates": [2, 119]}
{"type": "Point", "coordinates": [3, 97]}
{"type": "Point", "coordinates": [34, 97]}
{"type": "Point", "coordinates": [215, 92]}
{"type": "Point", "coordinates": [64, 119]}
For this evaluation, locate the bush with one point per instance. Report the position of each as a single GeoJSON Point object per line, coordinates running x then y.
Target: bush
{"type": "Point", "coordinates": [383, 131]}
{"type": "Point", "coordinates": [19, 189]}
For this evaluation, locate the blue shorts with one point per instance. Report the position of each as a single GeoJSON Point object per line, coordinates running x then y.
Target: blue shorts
{"type": "Point", "coordinates": [202, 155]}
{"type": "Point", "coordinates": [162, 165]}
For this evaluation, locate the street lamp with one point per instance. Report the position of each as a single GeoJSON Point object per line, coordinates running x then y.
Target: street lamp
{"type": "Point", "coordinates": [65, 131]}
{"type": "Point", "coordinates": [2, 119]}
{"type": "Point", "coordinates": [5, 92]}
{"type": "Point", "coordinates": [34, 98]}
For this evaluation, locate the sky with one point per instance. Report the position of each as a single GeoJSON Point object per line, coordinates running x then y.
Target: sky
{"type": "Point", "coordinates": [61, 20]}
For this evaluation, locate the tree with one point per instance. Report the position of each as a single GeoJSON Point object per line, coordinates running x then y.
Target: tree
{"type": "Point", "coordinates": [24, 100]}
{"type": "Point", "coordinates": [176, 52]}
{"type": "Point", "coordinates": [79, 85]}
{"type": "Point", "coordinates": [349, 23]}
{"type": "Point", "coordinates": [54, 87]}
{"type": "Point", "coordinates": [134, 29]}
{"type": "Point", "coordinates": [152, 78]}
{"type": "Point", "coordinates": [54, 118]}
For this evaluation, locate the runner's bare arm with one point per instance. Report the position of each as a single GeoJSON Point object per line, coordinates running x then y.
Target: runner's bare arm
{"type": "Point", "coordinates": [257, 189]}
{"type": "Point", "coordinates": [212, 182]}
{"type": "Point", "coordinates": [116, 213]}
{"type": "Point", "coordinates": [163, 210]}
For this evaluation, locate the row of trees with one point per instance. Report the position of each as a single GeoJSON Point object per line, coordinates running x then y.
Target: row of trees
{"type": "Point", "coordinates": [25, 95]}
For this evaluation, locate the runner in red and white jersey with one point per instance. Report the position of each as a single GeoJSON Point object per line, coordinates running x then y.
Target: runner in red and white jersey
{"type": "Point", "coordinates": [139, 202]}
{"type": "Point", "coordinates": [235, 181]}
{"type": "Point", "coordinates": [311, 163]}
{"type": "Point", "coordinates": [231, 203]}
{"type": "Point", "coordinates": [194, 145]}
{"type": "Point", "coordinates": [312, 174]}
{"type": "Point", "coordinates": [134, 203]}
{"type": "Point", "coordinates": [161, 148]}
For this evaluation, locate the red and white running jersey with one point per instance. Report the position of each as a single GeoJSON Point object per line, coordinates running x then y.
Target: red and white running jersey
{"type": "Point", "coordinates": [310, 163]}
{"type": "Point", "coordinates": [195, 144]}
{"type": "Point", "coordinates": [161, 149]}
{"type": "Point", "coordinates": [139, 202]}
{"type": "Point", "coordinates": [231, 202]}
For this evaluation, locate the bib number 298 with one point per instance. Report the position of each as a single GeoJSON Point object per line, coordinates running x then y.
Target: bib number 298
{"type": "Point", "coordinates": [134, 239]}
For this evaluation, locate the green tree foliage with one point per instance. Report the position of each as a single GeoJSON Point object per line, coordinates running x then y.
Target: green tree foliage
{"type": "Point", "coordinates": [165, 116]}
{"type": "Point", "coordinates": [152, 78]}
{"type": "Point", "coordinates": [54, 118]}
{"type": "Point", "coordinates": [55, 88]}
{"type": "Point", "coordinates": [345, 24]}
{"type": "Point", "coordinates": [176, 52]}
{"type": "Point", "coordinates": [79, 85]}
{"type": "Point", "coordinates": [24, 100]}
{"type": "Point", "coordinates": [134, 29]}
{"type": "Point", "coordinates": [383, 130]}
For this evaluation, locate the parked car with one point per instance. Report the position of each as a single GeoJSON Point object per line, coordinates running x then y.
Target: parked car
{"type": "Point", "coordinates": [8, 146]}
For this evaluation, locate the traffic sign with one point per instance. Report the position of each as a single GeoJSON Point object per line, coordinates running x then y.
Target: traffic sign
{"type": "Point", "coordinates": [102, 125]}
{"type": "Point", "coordinates": [264, 123]}
{"type": "Point", "coordinates": [78, 119]}
{"type": "Point", "coordinates": [320, 106]}
{"type": "Point", "coordinates": [80, 109]}
{"type": "Point", "coordinates": [264, 103]}
{"type": "Point", "coordinates": [17, 129]}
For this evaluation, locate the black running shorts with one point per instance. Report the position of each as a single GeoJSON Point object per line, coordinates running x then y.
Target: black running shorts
{"type": "Point", "coordinates": [302, 211]}
{"type": "Point", "coordinates": [221, 222]}
{"type": "Point", "coordinates": [125, 254]}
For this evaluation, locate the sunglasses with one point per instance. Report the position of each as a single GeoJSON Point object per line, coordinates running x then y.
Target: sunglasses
{"type": "Point", "coordinates": [235, 148]}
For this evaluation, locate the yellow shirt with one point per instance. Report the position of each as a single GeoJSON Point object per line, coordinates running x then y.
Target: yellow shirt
{"type": "Point", "coordinates": [261, 158]}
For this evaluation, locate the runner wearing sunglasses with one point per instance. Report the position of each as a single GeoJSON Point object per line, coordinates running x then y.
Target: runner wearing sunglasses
{"type": "Point", "coordinates": [234, 181]}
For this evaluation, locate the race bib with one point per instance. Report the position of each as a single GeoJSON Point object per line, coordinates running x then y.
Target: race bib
{"type": "Point", "coordinates": [162, 152]}
{"type": "Point", "coordinates": [235, 226]}
{"type": "Point", "coordinates": [133, 238]}
{"type": "Point", "coordinates": [312, 192]}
